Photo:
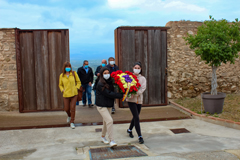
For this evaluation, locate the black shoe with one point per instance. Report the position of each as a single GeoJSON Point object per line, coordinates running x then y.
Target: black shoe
{"type": "Point", "coordinates": [84, 105]}
{"type": "Point", "coordinates": [90, 105]}
{"type": "Point", "coordinates": [113, 110]}
{"type": "Point", "coordinates": [141, 141]}
{"type": "Point", "coordinates": [130, 134]}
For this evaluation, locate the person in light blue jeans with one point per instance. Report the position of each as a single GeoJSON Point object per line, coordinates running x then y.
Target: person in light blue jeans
{"type": "Point", "coordinates": [85, 73]}
{"type": "Point", "coordinates": [87, 91]}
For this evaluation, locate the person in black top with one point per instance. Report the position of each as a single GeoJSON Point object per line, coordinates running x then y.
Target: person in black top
{"type": "Point", "coordinates": [85, 74]}
{"type": "Point", "coordinates": [97, 73]}
{"type": "Point", "coordinates": [105, 96]}
{"type": "Point", "coordinates": [111, 65]}
{"type": "Point", "coordinates": [112, 68]}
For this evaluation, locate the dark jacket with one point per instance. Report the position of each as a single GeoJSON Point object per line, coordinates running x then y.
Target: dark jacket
{"type": "Point", "coordinates": [96, 81]}
{"type": "Point", "coordinates": [85, 77]}
{"type": "Point", "coordinates": [112, 69]}
{"type": "Point", "coordinates": [98, 70]}
{"type": "Point", "coordinates": [105, 98]}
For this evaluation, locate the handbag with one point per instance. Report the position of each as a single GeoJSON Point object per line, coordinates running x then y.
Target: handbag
{"type": "Point", "coordinates": [80, 91]}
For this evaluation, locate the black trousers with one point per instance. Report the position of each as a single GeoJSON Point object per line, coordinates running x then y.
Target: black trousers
{"type": "Point", "coordinates": [135, 109]}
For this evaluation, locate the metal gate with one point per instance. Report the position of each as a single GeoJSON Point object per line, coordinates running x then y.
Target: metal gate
{"type": "Point", "coordinates": [40, 56]}
{"type": "Point", "coordinates": [148, 45]}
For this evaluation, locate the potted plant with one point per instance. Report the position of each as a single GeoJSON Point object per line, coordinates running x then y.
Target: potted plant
{"type": "Point", "coordinates": [216, 42]}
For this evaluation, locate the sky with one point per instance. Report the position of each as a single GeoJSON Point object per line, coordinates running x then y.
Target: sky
{"type": "Point", "coordinates": [91, 23]}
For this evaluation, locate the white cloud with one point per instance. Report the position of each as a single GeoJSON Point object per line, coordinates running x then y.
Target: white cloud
{"type": "Point", "coordinates": [125, 3]}
{"type": "Point", "coordinates": [156, 5]}
{"type": "Point", "coordinates": [181, 5]}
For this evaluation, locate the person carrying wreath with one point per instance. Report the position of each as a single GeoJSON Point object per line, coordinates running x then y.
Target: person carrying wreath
{"type": "Point", "coordinates": [105, 96]}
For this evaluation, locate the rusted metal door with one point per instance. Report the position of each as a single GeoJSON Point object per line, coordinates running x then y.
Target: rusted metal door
{"type": "Point", "coordinates": [148, 45]}
{"type": "Point", "coordinates": [40, 56]}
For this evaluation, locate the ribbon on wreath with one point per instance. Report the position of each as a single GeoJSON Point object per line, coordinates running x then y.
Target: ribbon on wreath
{"type": "Point", "coordinates": [126, 93]}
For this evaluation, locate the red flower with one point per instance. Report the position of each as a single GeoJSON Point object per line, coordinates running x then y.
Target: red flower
{"type": "Point", "coordinates": [138, 85]}
{"type": "Point", "coordinates": [135, 77]}
{"type": "Point", "coordinates": [113, 74]}
{"type": "Point", "coordinates": [130, 73]}
{"type": "Point", "coordinates": [119, 72]}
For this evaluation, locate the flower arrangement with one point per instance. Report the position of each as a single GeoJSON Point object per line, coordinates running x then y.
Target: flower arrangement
{"type": "Point", "coordinates": [126, 83]}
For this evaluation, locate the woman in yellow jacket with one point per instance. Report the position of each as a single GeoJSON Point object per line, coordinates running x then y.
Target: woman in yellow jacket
{"type": "Point", "coordinates": [69, 83]}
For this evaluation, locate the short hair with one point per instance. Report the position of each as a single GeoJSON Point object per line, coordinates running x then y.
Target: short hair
{"type": "Point", "coordinates": [111, 58]}
{"type": "Point", "coordinates": [85, 61]}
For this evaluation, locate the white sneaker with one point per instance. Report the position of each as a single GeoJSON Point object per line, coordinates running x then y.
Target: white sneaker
{"type": "Point", "coordinates": [68, 119]}
{"type": "Point", "coordinates": [104, 140]}
{"type": "Point", "coordinates": [72, 125]}
{"type": "Point", "coordinates": [113, 144]}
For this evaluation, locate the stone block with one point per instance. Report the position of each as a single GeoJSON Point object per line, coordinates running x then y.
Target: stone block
{"type": "Point", "coordinates": [3, 102]}
{"type": "Point", "coordinates": [169, 94]}
{"type": "Point", "coordinates": [12, 67]}
{"type": "Point", "coordinates": [235, 79]}
{"type": "Point", "coordinates": [14, 107]}
{"type": "Point", "coordinates": [202, 79]}
{"type": "Point", "coordinates": [171, 79]}
{"type": "Point", "coordinates": [12, 85]}
{"type": "Point", "coordinates": [186, 75]}
{"type": "Point", "coordinates": [13, 98]}
{"type": "Point", "coordinates": [3, 85]}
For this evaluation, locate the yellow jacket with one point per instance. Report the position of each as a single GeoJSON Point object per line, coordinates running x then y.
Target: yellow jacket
{"type": "Point", "coordinates": [69, 85]}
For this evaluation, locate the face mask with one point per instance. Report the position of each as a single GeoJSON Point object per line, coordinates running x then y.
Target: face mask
{"type": "Point", "coordinates": [106, 76]}
{"type": "Point", "coordinates": [136, 71]}
{"type": "Point", "coordinates": [112, 62]}
{"type": "Point", "coordinates": [86, 66]}
{"type": "Point", "coordinates": [67, 69]}
{"type": "Point", "coordinates": [103, 65]}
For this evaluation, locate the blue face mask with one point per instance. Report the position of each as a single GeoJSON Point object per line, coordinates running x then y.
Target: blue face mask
{"type": "Point", "coordinates": [103, 65]}
{"type": "Point", "coordinates": [86, 66]}
{"type": "Point", "coordinates": [67, 69]}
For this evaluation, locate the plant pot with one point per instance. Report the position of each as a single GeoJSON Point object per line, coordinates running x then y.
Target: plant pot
{"type": "Point", "coordinates": [213, 103]}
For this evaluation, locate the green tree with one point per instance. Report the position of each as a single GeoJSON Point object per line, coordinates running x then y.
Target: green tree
{"type": "Point", "coordinates": [216, 42]}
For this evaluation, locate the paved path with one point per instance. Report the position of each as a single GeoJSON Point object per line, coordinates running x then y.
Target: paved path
{"type": "Point", "coordinates": [206, 141]}
{"type": "Point", "coordinates": [84, 115]}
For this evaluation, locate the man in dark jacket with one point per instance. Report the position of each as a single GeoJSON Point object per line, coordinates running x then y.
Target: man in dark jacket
{"type": "Point", "coordinates": [85, 73]}
{"type": "Point", "coordinates": [112, 68]}
{"type": "Point", "coordinates": [97, 73]}
{"type": "Point", "coordinates": [111, 65]}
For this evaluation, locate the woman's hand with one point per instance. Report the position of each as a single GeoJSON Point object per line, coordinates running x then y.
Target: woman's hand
{"type": "Point", "coordinates": [62, 91]}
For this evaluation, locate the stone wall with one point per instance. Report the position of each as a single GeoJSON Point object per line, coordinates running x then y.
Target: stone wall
{"type": "Point", "coordinates": [188, 76]}
{"type": "Point", "coordinates": [8, 71]}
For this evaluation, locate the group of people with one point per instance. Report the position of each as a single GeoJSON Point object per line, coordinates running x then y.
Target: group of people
{"type": "Point", "coordinates": [85, 73]}
{"type": "Point", "coordinates": [70, 82]}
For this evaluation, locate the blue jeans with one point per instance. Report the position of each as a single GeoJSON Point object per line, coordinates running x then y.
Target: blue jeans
{"type": "Point", "coordinates": [87, 90]}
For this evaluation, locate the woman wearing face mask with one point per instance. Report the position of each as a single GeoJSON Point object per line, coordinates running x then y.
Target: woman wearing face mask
{"type": "Point", "coordinates": [105, 96]}
{"type": "Point", "coordinates": [69, 83]}
{"type": "Point", "coordinates": [135, 102]}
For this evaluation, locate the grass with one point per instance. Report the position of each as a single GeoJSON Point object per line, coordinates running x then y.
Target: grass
{"type": "Point", "coordinates": [231, 108]}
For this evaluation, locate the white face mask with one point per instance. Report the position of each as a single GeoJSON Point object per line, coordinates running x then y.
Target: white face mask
{"type": "Point", "coordinates": [112, 62]}
{"type": "Point", "coordinates": [136, 71]}
{"type": "Point", "coordinates": [106, 76]}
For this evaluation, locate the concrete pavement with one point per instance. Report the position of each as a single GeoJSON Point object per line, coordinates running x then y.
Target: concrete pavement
{"type": "Point", "coordinates": [206, 141]}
